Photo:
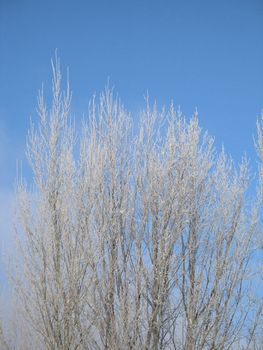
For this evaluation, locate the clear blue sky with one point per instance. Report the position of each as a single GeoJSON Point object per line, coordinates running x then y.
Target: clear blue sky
{"type": "Point", "coordinates": [204, 54]}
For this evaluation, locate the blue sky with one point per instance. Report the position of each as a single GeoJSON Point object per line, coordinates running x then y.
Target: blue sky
{"type": "Point", "coordinates": [204, 54]}
{"type": "Point", "coordinates": [200, 53]}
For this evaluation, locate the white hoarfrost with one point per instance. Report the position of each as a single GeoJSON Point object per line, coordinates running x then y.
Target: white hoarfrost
{"type": "Point", "coordinates": [132, 240]}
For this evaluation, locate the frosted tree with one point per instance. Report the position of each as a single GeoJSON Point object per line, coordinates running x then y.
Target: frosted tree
{"type": "Point", "coordinates": [132, 240]}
